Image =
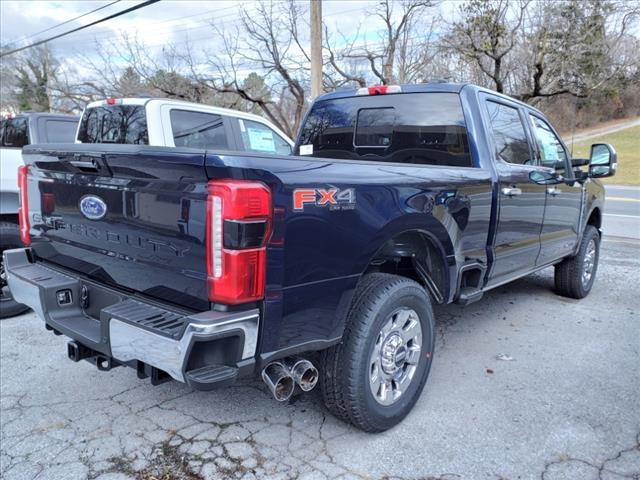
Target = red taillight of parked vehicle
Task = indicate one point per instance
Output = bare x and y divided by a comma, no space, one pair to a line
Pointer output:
238,228
23,210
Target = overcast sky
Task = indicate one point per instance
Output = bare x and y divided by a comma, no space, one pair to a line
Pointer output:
158,24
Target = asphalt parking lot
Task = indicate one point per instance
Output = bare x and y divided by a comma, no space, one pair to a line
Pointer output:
525,384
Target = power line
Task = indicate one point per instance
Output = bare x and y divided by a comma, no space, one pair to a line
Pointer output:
196,25
65,22
131,9
166,30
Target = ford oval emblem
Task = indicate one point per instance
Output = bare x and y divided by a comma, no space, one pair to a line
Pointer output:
93,207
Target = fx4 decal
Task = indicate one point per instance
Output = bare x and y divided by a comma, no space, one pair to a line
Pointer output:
334,198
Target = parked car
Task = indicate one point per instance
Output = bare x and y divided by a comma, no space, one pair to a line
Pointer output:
164,122
15,133
321,267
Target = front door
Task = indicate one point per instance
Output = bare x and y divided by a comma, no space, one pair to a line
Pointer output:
562,211
521,202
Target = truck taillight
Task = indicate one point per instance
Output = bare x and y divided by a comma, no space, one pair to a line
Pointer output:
238,228
23,210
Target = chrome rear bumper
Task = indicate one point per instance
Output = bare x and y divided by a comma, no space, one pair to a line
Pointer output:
132,330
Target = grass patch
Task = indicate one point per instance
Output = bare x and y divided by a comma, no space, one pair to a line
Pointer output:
627,144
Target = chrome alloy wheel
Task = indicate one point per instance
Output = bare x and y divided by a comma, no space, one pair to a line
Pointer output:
589,263
395,356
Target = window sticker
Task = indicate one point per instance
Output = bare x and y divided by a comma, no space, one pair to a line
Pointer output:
261,140
242,129
306,149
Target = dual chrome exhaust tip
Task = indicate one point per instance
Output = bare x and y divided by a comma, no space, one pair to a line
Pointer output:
282,377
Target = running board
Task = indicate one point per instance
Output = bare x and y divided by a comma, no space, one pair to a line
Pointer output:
469,295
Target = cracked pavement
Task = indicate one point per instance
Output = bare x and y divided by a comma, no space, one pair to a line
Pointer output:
524,384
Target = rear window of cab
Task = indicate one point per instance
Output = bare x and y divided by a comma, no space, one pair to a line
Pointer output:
124,124
415,128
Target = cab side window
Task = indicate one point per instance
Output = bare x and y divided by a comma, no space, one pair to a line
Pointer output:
509,134
552,153
257,137
197,129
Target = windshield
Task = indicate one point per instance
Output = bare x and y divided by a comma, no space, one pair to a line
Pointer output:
420,128
114,124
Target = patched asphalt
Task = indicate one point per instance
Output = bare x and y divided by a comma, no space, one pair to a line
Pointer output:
525,384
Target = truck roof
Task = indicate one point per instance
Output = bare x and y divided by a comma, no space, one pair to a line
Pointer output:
59,116
429,87
448,87
218,110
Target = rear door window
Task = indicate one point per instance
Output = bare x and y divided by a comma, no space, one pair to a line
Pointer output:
125,124
198,130
416,128
60,131
509,134
16,133
258,137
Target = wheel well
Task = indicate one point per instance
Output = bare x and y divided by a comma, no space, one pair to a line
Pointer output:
595,218
414,255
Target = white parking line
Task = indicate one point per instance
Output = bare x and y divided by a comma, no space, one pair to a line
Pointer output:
622,199
620,215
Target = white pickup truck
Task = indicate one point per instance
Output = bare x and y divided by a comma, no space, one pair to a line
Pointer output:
163,122
15,133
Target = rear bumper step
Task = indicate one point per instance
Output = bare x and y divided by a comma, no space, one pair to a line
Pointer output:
205,350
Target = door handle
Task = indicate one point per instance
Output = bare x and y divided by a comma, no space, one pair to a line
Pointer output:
554,191
511,191
85,164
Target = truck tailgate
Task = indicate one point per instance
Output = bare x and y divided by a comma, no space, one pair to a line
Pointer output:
128,216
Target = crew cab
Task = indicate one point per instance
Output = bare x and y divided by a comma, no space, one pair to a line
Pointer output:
16,132
205,265
165,122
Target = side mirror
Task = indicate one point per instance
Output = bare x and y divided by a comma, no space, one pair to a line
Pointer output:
542,177
603,161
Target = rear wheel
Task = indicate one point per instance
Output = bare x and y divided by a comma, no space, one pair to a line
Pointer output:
9,238
375,376
574,276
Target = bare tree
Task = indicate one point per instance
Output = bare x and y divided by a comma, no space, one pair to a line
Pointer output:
487,33
400,53
269,44
536,50
27,78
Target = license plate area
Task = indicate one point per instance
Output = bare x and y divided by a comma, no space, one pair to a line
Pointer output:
92,299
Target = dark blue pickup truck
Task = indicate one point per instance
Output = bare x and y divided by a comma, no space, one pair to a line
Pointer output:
204,266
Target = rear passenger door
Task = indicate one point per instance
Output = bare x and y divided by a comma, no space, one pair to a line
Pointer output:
521,202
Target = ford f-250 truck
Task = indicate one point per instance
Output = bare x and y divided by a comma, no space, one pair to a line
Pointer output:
206,266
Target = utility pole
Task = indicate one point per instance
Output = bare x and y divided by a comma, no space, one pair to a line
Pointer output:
316,48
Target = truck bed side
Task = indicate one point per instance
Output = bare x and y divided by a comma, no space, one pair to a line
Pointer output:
317,254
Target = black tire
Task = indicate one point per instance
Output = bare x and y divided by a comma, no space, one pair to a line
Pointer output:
9,238
569,273
345,368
